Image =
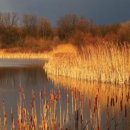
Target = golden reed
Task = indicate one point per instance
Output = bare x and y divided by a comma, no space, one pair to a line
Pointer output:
103,62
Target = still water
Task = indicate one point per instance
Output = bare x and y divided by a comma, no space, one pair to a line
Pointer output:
94,105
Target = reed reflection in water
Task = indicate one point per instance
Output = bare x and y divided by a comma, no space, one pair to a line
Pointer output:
11,79
73,104
101,106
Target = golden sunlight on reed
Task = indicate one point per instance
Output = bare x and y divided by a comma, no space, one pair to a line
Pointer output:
112,100
105,106
23,55
107,94
104,62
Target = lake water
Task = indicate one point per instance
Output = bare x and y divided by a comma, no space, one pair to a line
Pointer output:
106,107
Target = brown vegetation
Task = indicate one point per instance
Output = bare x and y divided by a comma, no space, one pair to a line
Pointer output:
101,52
101,62
106,106
15,29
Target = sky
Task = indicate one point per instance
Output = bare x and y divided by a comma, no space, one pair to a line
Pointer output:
99,11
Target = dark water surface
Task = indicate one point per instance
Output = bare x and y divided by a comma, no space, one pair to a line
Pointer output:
12,79
113,101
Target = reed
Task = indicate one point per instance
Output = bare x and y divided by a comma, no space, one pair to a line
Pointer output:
101,98
102,62
23,55
61,112
104,94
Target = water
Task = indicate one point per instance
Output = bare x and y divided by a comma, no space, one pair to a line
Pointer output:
112,102
21,62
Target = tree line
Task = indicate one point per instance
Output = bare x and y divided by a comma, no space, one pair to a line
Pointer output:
70,27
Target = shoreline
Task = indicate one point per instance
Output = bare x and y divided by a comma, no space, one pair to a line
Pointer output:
12,63
23,55
105,62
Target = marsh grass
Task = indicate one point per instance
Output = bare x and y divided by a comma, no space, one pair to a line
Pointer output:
102,62
23,55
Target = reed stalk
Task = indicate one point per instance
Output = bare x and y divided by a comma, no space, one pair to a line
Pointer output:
102,62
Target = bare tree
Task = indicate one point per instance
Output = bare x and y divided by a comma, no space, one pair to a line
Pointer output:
45,29
1,19
30,24
69,24
9,19
14,19
66,25
124,32
83,25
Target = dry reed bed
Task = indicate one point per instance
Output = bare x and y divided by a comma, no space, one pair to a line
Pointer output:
103,62
23,55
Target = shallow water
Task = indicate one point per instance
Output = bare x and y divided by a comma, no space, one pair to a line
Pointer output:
113,102
6,62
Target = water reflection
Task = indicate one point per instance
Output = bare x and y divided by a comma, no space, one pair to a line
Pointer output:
83,105
105,106
11,79
14,77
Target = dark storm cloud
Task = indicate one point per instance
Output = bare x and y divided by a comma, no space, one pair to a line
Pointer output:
101,11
